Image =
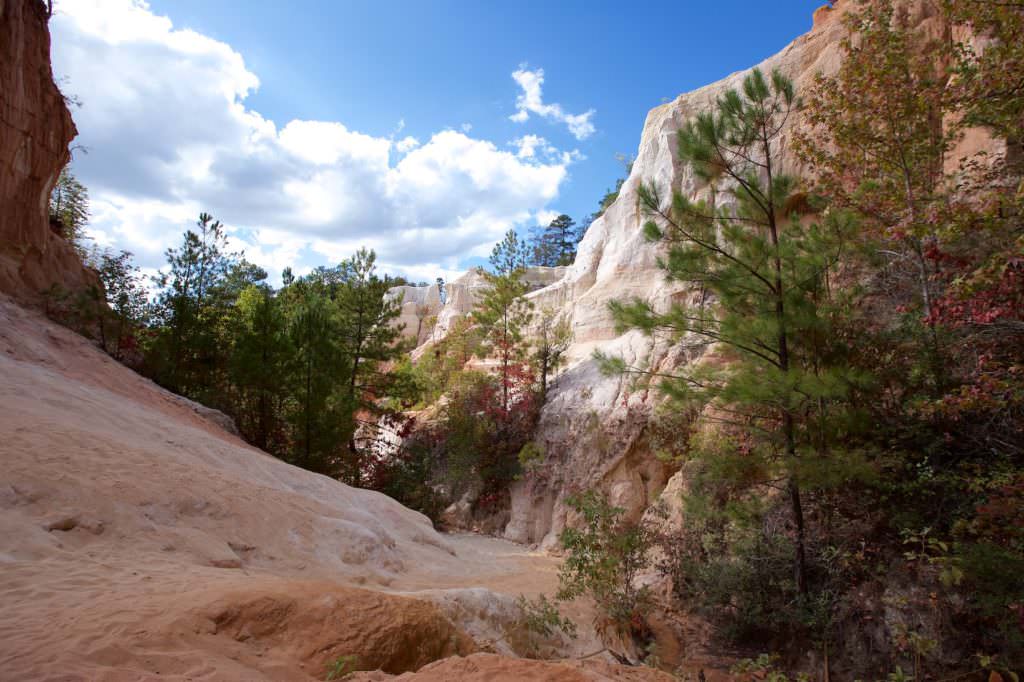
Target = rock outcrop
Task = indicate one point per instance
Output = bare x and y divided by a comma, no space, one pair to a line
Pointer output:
595,429
491,668
427,318
35,130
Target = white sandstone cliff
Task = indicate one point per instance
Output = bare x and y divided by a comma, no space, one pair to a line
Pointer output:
594,429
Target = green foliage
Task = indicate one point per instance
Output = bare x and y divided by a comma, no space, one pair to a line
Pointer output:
766,301
482,435
126,300
439,368
605,554
262,350
541,617
502,314
69,208
319,423
531,455
368,339
304,370
988,83
935,319
342,667
509,255
190,311
555,244
408,475
551,340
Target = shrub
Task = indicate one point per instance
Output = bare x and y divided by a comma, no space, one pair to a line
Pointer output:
604,559
406,474
541,617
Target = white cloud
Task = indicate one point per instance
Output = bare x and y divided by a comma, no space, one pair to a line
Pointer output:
528,144
407,144
534,147
531,100
545,217
327,143
169,134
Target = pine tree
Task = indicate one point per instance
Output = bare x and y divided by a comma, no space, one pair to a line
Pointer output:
551,339
368,340
562,231
510,254
258,363
190,312
542,251
314,372
766,276
503,313
555,244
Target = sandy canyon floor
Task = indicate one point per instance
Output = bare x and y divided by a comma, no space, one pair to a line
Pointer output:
141,540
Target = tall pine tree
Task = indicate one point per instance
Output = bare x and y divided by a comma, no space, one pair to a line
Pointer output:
368,341
768,305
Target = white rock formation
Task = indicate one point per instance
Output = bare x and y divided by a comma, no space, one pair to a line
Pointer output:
427,318
594,428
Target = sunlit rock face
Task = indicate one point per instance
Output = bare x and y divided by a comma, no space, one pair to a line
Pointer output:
595,429
35,130
429,311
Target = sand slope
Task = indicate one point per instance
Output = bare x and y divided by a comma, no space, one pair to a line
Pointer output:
139,540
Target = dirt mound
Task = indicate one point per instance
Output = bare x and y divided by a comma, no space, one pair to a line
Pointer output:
316,623
491,668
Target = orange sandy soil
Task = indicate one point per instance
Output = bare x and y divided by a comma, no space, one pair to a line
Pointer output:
141,541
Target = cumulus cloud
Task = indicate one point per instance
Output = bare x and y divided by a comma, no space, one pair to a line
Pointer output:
531,101
536,148
528,145
407,144
169,134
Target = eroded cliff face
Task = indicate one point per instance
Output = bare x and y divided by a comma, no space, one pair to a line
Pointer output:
35,130
596,430
427,318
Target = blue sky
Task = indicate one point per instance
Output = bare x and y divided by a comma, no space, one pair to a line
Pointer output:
401,91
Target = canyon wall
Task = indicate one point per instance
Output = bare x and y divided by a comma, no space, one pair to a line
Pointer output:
426,318
596,430
35,131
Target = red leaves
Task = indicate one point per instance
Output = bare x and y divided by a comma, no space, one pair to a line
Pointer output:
985,295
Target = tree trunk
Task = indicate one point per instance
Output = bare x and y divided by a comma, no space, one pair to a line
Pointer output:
800,563
789,427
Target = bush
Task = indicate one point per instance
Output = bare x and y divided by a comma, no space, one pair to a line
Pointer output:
604,559
406,474
480,440
541,617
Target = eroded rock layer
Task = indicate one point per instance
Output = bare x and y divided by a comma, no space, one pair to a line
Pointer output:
35,130
597,431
